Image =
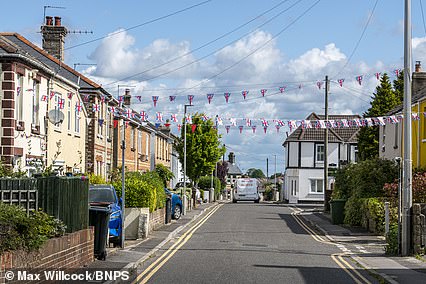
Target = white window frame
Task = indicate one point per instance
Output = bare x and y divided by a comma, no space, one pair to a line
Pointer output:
19,99
147,144
319,153
316,186
139,142
77,119
35,104
132,138
69,116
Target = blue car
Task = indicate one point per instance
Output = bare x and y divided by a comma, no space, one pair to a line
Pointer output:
105,195
176,204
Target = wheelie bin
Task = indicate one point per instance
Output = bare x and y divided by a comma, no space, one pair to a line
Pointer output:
99,218
337,207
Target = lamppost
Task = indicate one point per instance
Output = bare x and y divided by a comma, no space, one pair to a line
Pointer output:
275,176
184,159
123,191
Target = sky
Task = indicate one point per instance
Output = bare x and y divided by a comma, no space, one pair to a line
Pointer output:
199,47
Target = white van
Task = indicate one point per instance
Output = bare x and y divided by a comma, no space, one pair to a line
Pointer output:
246,189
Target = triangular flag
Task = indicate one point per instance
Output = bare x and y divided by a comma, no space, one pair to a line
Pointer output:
193,127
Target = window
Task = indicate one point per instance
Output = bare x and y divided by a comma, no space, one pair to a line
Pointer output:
107,125
35,103
77,122
317,186
69,115
320,153
19,97
139,142
132,138
147,144
101,116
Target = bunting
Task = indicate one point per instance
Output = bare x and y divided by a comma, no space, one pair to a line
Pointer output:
227,95
245,93
190,99
263,92
172,98
155,100
210,97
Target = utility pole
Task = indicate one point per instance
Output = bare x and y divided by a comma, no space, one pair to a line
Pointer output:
407,163
326,193
184,161
275,175
267,168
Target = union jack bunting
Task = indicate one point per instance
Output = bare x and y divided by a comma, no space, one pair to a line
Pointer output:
392,119
204,118
319,85
95,108
278,128
396,71
120,99
381,120
188,119
111,109
52,94
102,98
173,117
265,123
101,122
359,79
172,98
190,99
78,107
69,95
159,116
378,75
265,128
244,93
292,124
282,89
248,122
219,120
155,100
227,127
126,123
340,81
44,98
129,113
241,128
179,127
61,103
345,123
86,97
210,97
18,91
415,116
233,121
227,95
279,122
143,115
263,92
253,128
369,122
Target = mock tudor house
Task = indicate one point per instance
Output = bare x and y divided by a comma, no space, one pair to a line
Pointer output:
304,155
234,171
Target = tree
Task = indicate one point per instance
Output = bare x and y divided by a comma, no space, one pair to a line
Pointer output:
203,147
384,99
222,172
164,173
255,173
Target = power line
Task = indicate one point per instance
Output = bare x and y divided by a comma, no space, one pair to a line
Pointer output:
423,15
142,24
259,48
359,40
211,53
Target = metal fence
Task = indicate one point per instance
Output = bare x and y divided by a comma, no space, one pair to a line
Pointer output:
65,198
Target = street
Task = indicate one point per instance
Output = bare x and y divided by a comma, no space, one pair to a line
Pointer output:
251,243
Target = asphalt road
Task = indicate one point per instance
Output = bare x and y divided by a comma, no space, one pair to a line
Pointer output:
251,243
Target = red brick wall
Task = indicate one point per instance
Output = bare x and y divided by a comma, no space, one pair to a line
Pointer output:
70,251
157,219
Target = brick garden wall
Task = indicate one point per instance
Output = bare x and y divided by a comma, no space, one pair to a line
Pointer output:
157,219
73,250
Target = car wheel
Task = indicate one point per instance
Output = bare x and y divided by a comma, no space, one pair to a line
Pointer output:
177,213
234,201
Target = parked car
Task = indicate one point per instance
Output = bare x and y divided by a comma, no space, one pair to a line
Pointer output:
176,204
180,185
105,195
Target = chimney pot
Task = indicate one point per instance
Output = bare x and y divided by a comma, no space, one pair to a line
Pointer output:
127,97
418,67
58,21
49,20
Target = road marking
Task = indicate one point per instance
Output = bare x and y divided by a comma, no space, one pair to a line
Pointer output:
337,258
173,249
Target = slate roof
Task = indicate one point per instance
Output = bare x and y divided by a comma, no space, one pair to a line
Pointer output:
14,43
233,169
344,134
414,99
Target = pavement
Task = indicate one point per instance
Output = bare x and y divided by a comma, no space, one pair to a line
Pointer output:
138,251
367,249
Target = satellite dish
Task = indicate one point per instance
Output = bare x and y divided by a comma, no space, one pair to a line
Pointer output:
56,116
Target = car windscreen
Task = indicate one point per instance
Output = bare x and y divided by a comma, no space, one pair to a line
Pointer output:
101,195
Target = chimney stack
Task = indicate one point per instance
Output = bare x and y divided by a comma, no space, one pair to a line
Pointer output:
231,158
418,67
126,99
419,79
54,37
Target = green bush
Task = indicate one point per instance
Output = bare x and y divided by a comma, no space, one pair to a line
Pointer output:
391,247
164,173
19,231
205,183
142,190
96,179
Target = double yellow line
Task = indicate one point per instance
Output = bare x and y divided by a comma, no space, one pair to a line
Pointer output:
156,265
336,257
